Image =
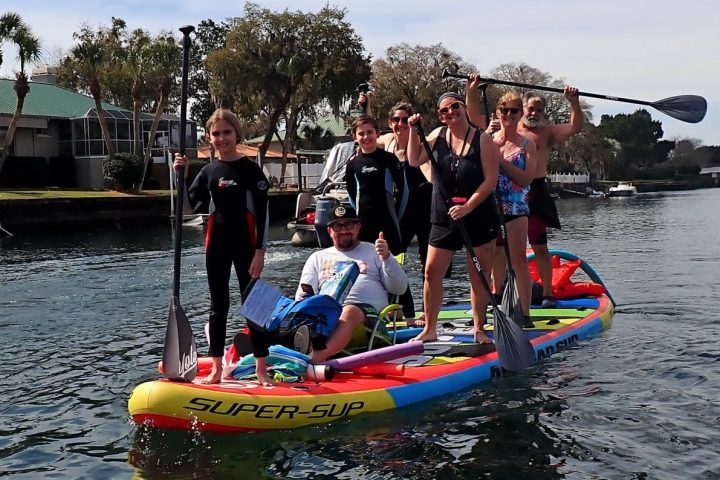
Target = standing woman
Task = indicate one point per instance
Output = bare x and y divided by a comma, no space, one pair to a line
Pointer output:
517,170
468,163
235,191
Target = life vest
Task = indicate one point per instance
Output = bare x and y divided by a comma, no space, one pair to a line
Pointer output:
562,286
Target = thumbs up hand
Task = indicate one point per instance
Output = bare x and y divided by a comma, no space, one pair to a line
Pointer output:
381,247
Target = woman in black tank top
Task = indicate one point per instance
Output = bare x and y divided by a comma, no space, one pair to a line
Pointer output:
468,163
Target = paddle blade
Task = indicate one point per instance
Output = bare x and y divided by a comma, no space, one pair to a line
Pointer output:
179,354
510,304
514,349
687,108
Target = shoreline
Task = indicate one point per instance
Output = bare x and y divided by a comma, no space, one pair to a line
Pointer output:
23,210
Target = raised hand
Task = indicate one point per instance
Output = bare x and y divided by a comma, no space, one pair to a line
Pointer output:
381,247
571,93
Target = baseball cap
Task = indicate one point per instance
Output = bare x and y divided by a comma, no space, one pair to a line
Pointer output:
341,212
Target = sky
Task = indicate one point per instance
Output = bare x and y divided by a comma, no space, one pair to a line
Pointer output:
639,49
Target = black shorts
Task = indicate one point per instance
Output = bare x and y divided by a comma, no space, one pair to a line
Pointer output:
449,238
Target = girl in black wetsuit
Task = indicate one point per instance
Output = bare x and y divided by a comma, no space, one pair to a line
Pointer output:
468,163
235,191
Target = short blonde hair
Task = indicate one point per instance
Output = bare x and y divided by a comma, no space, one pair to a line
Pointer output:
510,96
227,116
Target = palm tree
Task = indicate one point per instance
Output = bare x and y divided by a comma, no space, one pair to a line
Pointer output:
90,57
12,28
137,63
166,60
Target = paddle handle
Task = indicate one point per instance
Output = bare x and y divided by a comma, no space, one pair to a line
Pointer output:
180,174
446,74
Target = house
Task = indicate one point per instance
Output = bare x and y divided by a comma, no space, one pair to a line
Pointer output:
60,124
331,124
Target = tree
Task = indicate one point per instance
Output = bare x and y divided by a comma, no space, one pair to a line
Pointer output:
273,60
638,135
12,28
165,56
86,67
209,36
137,63
414,74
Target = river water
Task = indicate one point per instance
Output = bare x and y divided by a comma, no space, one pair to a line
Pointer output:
82,316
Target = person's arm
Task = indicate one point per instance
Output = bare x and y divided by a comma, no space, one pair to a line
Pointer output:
259,194
309,276
472,101
351,184
416,154
198,194
392,274
560,133
523,176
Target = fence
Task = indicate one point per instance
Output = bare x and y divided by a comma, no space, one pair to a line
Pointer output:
569,178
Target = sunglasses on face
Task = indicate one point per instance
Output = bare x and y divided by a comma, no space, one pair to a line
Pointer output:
454,106
512,110
339,227
399,119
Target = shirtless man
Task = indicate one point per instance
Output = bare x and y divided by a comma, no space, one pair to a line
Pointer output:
543,213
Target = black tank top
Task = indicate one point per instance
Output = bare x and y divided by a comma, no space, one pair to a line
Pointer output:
461,175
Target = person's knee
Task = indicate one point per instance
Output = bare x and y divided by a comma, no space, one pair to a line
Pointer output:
352,315
541,250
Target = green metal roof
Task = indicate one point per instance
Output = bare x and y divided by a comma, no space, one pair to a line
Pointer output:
48,101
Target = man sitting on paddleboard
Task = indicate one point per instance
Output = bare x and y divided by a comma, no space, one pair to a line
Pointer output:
380,275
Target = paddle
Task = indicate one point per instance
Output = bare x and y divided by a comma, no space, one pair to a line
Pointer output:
4,233
514,349
510,303
687,108
180,353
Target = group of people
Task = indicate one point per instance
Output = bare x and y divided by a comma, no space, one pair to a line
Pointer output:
391,190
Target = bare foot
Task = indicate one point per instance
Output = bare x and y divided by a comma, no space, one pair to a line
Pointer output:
416,322
214,377
481,338
426,336
264,379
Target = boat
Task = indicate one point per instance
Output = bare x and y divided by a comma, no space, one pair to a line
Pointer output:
311,207
451,364
622,189
310,215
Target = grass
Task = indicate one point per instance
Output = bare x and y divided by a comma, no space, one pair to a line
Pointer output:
52,193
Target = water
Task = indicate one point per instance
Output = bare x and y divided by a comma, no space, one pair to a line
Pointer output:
82,316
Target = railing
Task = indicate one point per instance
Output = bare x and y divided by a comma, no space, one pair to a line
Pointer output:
569,178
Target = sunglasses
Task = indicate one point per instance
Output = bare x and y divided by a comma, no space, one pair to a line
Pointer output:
454,106
399,119
512,110
339,227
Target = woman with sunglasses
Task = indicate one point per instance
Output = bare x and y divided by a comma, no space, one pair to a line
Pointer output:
468,162
517,170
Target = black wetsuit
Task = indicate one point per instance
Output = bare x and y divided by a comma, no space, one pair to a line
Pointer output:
461,176
236,194
377,190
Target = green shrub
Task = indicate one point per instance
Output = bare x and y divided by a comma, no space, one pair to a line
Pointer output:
122,171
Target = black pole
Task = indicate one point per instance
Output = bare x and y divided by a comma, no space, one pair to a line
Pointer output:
180,175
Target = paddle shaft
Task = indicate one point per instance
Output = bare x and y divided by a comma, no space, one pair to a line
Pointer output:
460,224
180,174
551,89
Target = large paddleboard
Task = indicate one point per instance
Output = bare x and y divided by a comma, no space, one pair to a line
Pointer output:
451,364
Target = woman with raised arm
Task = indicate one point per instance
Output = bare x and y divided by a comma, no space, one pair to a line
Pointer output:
468,162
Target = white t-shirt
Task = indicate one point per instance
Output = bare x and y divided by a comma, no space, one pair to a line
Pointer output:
377,277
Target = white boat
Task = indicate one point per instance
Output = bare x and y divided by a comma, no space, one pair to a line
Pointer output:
310,210
622,189
311,207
